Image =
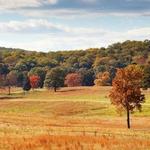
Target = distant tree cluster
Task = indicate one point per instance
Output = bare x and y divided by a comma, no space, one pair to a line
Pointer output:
72,68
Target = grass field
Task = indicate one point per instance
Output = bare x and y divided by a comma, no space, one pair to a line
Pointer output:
70,119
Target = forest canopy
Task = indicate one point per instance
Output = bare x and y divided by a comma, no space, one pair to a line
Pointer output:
88,63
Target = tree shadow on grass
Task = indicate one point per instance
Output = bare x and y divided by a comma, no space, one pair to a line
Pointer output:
10,97
69,90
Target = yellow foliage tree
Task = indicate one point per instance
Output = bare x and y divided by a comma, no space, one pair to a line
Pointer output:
102,79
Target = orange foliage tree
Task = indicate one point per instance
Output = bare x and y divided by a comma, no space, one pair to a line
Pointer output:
73,79
126,93
34,81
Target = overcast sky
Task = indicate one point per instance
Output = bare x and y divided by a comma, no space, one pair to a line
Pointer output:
46,25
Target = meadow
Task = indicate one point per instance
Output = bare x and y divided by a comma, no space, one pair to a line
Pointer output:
70,119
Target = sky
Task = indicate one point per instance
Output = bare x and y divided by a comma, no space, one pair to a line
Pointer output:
46,25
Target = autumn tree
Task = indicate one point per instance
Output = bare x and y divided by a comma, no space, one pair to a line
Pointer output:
102,79
55,78
126,93
40,72
73,79
34,81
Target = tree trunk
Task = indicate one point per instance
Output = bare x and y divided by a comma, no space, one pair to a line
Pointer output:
8,90
55,89
128,117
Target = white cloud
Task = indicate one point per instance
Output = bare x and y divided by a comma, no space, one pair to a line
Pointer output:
60,12
44,26
69,42
139,32
14,34
21,7
52,1
74,13
41,24
29,25
12,4
46,43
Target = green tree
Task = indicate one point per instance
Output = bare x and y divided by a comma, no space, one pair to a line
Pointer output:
87,76
26,84
4,70
20,77
146,77
55,78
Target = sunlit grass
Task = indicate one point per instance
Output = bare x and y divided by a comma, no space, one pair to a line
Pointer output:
70,112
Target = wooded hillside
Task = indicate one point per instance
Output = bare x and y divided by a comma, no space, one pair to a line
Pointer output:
88,63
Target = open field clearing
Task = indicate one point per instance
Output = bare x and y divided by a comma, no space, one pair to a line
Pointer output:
72,118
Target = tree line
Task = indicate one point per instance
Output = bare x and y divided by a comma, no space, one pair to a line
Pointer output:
31,69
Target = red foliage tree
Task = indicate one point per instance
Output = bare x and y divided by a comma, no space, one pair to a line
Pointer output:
34,81
73,79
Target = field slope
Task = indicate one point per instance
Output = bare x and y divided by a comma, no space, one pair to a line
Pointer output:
72,118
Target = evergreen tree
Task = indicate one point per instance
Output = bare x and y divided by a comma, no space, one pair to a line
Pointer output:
26,84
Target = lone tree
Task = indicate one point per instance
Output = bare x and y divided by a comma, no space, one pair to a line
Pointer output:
55,78
126,93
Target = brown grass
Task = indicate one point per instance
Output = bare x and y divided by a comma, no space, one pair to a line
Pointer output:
49,142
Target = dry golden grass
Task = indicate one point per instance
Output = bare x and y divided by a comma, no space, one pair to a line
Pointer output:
49,142
70,119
